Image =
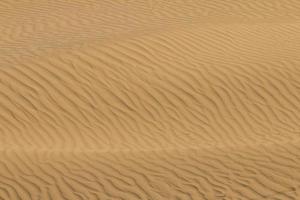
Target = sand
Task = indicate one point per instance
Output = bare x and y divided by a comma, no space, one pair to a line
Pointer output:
150,100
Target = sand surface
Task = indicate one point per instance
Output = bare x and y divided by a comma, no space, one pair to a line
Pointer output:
149,100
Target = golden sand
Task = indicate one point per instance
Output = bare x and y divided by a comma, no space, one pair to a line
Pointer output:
150,100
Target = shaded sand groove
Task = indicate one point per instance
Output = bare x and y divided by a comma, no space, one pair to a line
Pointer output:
154,100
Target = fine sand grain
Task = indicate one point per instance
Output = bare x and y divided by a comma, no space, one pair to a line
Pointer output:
150,100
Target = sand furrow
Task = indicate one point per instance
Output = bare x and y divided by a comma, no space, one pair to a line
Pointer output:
165,89
43,25
162,100
157,174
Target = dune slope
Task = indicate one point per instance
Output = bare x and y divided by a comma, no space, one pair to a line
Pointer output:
149,100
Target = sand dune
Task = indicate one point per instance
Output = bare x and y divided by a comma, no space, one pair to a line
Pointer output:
150,100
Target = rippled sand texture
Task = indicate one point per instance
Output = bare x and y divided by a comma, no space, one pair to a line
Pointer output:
150,100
